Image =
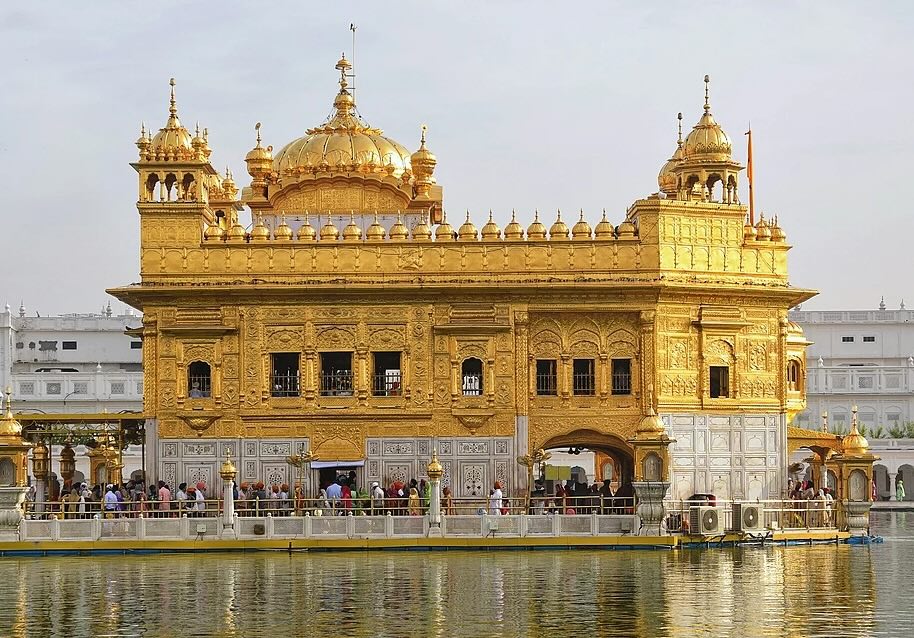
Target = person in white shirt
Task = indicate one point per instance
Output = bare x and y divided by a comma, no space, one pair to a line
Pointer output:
377,498
110,502
201,498
495,500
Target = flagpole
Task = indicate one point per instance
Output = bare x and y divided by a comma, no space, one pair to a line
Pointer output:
751,178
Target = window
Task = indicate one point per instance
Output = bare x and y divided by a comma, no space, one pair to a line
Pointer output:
793,376
336,374
52,388
117,387
583,382
546,381
284,371
847,340
136,345
720,382
199,380
622,376
27,388
471,373
47,346
869,339
387,375
68,345
893,417
81,387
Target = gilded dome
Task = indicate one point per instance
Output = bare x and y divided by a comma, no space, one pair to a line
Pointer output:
491,231
626,230
514,231
352,232
306,231
581,230
777,233
213,232
604,229
421,231
467,231
344,143
375,232
707,141
855,444
399,232
282,232
444,232
260,232
329,231
762,231
558,230
236,232
173,138
536,230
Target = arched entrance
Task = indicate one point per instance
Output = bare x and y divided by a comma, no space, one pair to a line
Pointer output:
608,448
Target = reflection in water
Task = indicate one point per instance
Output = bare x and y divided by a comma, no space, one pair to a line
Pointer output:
798,591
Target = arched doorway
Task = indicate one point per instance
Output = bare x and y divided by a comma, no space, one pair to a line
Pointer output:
881,478
906,475
608,449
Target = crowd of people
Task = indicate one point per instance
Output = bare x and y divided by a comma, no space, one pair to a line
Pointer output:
132,498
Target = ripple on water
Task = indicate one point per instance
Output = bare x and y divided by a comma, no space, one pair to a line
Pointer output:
821,591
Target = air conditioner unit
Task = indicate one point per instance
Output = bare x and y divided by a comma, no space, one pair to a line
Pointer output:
705,521
748,517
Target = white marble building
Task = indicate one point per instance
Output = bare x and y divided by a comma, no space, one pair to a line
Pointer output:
73,363
864,358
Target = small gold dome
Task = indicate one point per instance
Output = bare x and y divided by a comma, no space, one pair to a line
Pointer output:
213,232
777,233
467,231
444,232
237,232
434,469
173,140
283,232
259,159
352,232
375,232
306,231
762,231
604,229
491,231
228,184
855,444
748,230
581,230
260,232
423,159
626,230
536,230
514,231
9,425
650,424
399,231
558,230
667,179
421,231
329,231
707,141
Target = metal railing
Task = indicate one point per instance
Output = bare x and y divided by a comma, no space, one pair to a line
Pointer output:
284,384
386,385
337,383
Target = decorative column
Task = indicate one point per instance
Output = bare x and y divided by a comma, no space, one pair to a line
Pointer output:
13,472
652,468
40,472
855,463
227,472
891,488
435,471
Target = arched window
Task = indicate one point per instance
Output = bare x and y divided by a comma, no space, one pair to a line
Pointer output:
471,372
199,380
794,383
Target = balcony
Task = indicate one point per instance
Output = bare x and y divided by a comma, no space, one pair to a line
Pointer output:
860,380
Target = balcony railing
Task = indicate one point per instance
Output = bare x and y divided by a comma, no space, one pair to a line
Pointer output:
860,380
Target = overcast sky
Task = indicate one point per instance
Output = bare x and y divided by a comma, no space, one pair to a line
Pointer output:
529,105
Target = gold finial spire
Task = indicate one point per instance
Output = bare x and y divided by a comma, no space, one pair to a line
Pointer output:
424,128
9,402
707,94
513,215
257,128
679,139
173,108
582,215
490,215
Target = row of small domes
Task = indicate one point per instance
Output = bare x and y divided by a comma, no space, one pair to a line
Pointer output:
764,230
581,231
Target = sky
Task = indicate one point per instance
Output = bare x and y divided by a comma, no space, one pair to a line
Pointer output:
530,105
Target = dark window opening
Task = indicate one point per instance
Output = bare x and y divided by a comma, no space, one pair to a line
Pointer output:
720,382
136,345
387,374
869,339
471,372
336,374
546,378
68,345
284,374
584,382
847,340
199,380
622,376
793,376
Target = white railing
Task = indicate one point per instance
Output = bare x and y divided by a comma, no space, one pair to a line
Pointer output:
860,380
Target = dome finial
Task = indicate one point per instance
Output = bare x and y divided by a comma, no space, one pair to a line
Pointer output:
424,128
257,128
679,139
707,94
173,107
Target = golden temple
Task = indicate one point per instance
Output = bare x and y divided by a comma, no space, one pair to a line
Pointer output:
351,319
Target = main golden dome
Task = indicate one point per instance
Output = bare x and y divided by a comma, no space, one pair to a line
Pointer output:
344,143
707,141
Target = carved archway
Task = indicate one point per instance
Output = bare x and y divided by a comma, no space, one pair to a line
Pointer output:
605,443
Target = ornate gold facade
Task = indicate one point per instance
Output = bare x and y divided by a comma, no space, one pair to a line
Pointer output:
683,287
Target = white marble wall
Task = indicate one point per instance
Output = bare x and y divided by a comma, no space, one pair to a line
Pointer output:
734,456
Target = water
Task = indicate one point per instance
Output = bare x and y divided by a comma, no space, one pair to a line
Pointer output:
823,591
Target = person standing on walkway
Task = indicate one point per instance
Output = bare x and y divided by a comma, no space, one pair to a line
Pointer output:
495,500
164,499
899,490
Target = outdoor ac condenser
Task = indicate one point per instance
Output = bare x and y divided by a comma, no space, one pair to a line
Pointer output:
705,521
747,517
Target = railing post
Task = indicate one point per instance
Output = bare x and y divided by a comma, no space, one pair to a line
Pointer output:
594,528
307,524
55,529
556,524
141,528
484,524
185,527
96,528
350,525
389,525
268,526
522,526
